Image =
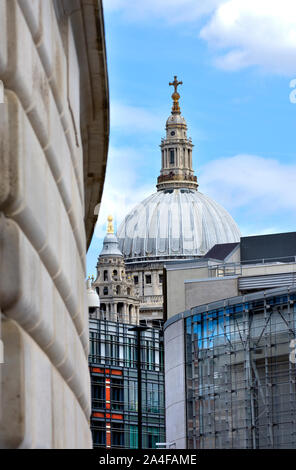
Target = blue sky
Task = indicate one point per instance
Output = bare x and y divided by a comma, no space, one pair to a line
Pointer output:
236,60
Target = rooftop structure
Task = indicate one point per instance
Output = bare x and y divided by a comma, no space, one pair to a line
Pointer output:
230,344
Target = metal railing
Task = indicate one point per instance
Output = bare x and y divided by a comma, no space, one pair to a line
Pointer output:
234,269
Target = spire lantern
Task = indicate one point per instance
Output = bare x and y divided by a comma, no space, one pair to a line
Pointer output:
176,150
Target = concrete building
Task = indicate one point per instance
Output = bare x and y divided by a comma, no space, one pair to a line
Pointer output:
54,127
177,222
230,346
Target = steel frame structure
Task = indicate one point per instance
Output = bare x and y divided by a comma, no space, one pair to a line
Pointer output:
240,372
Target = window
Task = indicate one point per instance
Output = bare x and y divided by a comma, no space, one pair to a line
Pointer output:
98,290
152,437
117,435
172,156
128,291
148,278
160,278
117,290
133,396
98,392
148,354
130,353
105,290
99,436
105,275
111,350
117,395
133,436
94,346
152,398
114,274
136,279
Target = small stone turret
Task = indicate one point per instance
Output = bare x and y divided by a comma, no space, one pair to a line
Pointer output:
115,288
176,150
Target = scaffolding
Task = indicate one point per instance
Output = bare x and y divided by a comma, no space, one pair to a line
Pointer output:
240,373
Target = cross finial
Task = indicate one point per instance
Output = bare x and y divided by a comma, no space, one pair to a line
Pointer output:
175,83
175,95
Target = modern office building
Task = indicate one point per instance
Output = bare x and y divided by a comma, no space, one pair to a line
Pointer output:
114,383
231,347
177,222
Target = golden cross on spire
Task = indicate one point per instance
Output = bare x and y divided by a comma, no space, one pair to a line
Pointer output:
175,95
175,83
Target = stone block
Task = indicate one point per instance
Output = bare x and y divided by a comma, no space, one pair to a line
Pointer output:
34,302
3,36
74,86
31,12
83,433
69,419
58,421
38,100
26,394
12,405
35,211
41,20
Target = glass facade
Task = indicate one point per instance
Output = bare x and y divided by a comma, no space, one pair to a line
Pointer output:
240,373
113,367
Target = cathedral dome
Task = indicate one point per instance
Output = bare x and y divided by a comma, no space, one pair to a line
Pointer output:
110,243
178,221
93,300
175,223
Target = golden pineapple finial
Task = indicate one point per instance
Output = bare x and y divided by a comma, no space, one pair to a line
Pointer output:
110,228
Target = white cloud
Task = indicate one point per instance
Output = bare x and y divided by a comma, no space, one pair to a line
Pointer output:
258,191
256,33
132,119
250,32
122,190
260,185
171,11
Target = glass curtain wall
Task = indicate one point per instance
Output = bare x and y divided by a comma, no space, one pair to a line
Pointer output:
113,367
240,374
